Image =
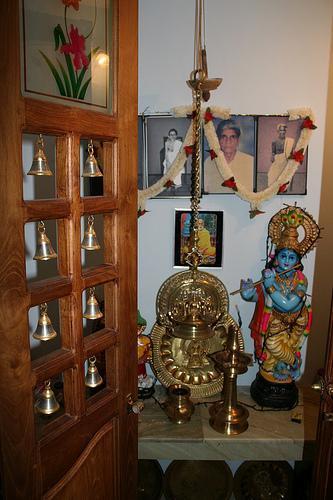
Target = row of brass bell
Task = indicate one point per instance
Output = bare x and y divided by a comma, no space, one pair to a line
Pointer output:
45,331
47,403
44,250
40,165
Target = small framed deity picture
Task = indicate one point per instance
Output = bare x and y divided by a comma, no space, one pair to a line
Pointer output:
277,138
237,140
210,232
164,137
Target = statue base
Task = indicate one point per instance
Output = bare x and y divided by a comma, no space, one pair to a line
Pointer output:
145,392
273,395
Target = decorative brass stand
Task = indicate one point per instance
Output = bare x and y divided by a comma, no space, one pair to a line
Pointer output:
228,416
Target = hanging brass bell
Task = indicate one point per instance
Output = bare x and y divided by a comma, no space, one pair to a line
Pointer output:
44,330
91,168
92,309
44,250
93,378
47,403
39,164
90,241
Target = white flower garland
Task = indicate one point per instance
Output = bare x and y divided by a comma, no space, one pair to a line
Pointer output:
255,199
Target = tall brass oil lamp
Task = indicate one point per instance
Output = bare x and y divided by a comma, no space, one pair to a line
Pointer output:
228,416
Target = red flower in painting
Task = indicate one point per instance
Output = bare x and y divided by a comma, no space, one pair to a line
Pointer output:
72,3
77,48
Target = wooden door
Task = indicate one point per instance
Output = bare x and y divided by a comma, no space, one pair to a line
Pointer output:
88,449
322,484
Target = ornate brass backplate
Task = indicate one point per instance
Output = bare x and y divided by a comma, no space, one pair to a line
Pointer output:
187,362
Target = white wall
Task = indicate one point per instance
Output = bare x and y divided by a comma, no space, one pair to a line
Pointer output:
273,56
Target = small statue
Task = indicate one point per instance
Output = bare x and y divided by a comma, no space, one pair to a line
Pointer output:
145,381
283,316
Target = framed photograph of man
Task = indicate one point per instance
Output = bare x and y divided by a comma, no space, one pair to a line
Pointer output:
277,138
165,135
237,139
210,232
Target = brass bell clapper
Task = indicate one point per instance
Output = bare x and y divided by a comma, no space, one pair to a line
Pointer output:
44,249
46,403
44,330
90,241
40,164
93,378
91,168
228,416
92,308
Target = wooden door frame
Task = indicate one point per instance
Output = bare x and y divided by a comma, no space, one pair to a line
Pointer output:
20,452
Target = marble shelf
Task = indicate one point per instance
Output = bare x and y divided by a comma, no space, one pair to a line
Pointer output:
271,435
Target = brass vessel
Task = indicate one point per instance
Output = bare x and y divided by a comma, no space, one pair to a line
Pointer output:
178,406
228,416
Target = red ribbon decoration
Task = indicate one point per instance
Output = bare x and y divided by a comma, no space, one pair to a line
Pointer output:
308,123
141,213
208,115
169,184
188,150
297,155
230,183
283,188
212,154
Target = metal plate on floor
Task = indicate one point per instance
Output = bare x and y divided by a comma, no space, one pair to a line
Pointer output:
262,480
150,480
198,480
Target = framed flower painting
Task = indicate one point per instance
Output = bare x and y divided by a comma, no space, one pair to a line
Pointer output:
65,52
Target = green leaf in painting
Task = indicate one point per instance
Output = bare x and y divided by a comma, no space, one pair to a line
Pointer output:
84,69
55,74
84,89
66,80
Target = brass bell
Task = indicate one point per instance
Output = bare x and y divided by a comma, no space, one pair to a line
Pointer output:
44,330
44,250
39,164
92,378
91,168
47,403
90,241
92,309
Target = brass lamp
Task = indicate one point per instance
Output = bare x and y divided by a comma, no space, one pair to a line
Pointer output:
191,303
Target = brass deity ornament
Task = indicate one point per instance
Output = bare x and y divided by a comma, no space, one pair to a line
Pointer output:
91,168
40,164
44,249
44,330
192,306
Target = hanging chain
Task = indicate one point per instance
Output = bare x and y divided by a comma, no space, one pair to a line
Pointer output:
196,159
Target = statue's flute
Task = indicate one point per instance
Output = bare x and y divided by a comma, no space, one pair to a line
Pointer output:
262,280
